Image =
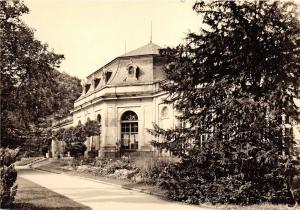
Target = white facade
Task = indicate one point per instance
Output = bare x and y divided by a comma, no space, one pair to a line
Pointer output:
127,85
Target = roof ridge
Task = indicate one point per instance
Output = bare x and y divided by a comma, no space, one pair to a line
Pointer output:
147,49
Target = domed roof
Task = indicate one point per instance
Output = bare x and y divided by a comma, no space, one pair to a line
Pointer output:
148,49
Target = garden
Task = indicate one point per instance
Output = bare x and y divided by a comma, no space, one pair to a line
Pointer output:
147,175
140,173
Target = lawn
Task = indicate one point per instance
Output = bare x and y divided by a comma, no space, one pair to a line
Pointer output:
34,196
26,161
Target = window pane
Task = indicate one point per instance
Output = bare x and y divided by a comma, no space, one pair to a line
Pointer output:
129,116
129,135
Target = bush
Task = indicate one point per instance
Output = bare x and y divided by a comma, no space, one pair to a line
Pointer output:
76,149
193,182
8,176
296,188
124,163
150,171
92,153
101,162
124,168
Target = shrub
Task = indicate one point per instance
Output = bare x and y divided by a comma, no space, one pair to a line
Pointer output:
92,128
8,176
123,163
125,173
92,153
76,149
79,134
150,171
101,162
193,182
296,187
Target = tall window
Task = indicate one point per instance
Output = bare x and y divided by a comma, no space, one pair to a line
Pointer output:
98,138
99,119
129,131
164,113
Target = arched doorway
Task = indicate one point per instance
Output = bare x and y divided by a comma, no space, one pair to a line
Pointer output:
129,131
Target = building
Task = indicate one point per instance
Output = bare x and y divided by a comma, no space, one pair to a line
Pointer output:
125,98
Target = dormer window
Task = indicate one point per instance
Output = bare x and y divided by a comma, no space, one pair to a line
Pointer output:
87,87
96,82
133,71
107,76
137,72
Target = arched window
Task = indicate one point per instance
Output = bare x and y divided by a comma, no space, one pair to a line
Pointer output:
98,138
164,112
129,131
99,119
133,71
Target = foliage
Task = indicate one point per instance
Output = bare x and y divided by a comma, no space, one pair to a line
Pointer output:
67,90
92,128
68,135
150,172
231,82
74,137
31,87
123,163
8,176
79,133
27,69
59,134
124,168
76,149
296,186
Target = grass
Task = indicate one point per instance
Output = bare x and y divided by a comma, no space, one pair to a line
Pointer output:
26,161
35,197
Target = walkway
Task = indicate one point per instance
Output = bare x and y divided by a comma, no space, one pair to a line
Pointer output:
99,195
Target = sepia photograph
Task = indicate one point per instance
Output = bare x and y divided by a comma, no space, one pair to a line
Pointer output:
150,104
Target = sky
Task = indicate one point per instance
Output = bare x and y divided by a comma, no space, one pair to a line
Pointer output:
91,33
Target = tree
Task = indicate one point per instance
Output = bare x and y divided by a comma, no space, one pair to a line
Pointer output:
27,75
92,128
79,134
67,90
60,134
231,82
74,137
32,89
